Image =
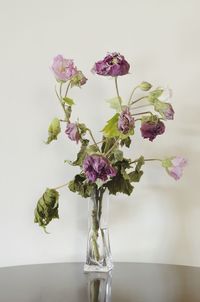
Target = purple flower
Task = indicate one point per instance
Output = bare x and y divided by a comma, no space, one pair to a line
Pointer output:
168,112
112,65
73,132
63,68
165,109
97,166
126,122
150,129
78,79
174,166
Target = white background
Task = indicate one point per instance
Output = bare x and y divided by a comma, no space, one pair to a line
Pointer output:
160,222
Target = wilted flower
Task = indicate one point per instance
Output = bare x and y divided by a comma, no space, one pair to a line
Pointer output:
150,129
63,68
78,79
165,109
112,65
174,166
126,122
97,167
73,132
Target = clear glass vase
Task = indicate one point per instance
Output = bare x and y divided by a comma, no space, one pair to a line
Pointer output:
98,257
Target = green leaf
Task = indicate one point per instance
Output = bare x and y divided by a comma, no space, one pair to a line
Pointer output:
126,141
107,144
47,208
135,176
120,183
153,95
82,128
92,149
68,101
115,103
160,107
118,155
54,130
150,118
140,163
111,129
81,186
81,154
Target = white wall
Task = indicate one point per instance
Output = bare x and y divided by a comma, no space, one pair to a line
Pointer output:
160,222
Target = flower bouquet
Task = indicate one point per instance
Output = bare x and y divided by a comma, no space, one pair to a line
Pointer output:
104,169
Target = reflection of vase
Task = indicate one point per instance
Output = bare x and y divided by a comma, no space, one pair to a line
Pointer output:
99,287
98,246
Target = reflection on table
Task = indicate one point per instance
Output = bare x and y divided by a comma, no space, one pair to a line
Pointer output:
131,282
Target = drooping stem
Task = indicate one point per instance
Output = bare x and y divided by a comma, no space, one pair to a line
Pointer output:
62,186
117,90
146,159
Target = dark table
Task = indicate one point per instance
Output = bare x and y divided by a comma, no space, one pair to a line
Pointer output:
128,282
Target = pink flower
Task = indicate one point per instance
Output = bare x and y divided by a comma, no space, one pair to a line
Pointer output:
63,68
73,132
174,166
112,65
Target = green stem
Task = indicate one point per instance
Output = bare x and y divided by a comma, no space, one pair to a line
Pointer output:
144,112
143,97
66,92
113,147
96,219
146,159
62,104
62,186
117,89
93,139
132,95
141,106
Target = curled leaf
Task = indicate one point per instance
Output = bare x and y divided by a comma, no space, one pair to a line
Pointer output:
47,208
54,130
81,186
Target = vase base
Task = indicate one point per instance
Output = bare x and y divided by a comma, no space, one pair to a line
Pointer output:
97,268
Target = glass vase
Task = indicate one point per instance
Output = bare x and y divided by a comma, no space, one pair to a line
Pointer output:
98,258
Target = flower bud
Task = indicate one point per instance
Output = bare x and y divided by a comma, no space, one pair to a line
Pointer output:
78,79
145,86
